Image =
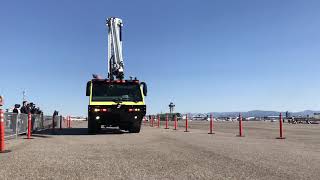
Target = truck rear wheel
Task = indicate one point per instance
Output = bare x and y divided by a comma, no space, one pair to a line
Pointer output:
135,127
98,126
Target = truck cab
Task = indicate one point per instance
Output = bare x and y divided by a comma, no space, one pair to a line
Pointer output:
116,103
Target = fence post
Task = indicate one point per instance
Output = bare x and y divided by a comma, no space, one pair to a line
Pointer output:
2,145
175,122
17,117
42,120
69,121
152,121
240,126
211,125
186,123
53,123
60,122
167,119
280,127
29,126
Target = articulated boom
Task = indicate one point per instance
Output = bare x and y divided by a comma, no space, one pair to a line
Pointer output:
115,60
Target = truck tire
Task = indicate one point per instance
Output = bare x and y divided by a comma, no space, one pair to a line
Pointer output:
98,126
92,125
135,127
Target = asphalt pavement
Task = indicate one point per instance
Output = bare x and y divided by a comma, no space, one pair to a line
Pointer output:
158,153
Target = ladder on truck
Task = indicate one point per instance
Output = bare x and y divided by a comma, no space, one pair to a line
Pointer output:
115,59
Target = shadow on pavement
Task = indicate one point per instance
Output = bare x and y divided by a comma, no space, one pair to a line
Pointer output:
78,131
40,135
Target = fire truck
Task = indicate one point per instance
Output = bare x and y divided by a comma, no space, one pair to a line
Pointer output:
115,101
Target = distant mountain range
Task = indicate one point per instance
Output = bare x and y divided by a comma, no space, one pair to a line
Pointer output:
258,113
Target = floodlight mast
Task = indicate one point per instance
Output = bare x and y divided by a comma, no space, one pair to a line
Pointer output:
115,60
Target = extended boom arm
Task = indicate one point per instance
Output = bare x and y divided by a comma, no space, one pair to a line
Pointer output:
115,60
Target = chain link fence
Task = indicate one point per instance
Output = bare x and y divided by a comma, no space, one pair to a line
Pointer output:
17,124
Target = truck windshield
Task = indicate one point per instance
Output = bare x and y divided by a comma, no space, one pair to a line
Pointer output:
116,92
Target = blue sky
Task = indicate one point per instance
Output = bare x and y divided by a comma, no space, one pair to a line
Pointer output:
203,55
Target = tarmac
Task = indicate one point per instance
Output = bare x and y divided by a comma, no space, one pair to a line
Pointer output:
158,153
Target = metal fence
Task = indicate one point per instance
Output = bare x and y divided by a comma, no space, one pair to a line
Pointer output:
17,124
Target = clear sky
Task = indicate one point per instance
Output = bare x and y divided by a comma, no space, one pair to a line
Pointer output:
215,55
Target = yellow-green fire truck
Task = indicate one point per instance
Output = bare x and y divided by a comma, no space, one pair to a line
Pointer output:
115,102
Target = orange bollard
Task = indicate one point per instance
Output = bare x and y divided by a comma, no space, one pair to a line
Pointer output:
29,126
240,126
280,127
2,144
211,125
158,121
175,122
186,123
152,121
167,122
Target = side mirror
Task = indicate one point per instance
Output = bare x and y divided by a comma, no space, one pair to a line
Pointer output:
144,88
88,88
